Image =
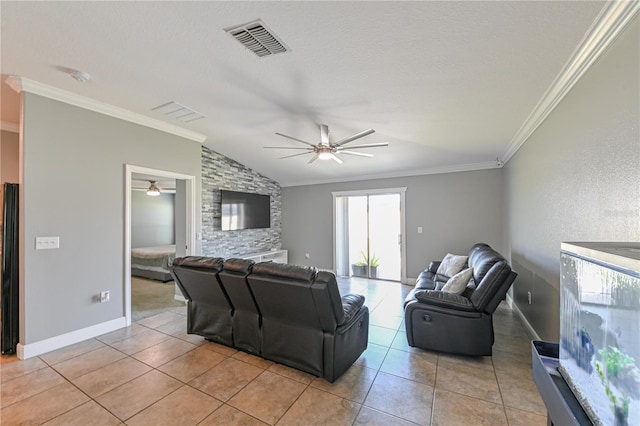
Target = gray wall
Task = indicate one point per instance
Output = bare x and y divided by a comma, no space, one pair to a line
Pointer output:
456,210
180,218
220,172
74,170
576,179
152,219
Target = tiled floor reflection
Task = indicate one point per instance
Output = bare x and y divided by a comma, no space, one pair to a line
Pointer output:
153,373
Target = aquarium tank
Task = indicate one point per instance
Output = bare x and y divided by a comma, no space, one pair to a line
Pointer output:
600,329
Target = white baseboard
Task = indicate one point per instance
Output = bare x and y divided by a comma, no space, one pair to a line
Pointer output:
179,298
523,319
47,345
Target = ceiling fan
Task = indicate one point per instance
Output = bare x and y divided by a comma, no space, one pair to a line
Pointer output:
325,150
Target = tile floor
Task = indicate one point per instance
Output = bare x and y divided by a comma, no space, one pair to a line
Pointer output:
153,373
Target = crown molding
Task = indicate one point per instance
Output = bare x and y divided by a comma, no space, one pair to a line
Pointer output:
611,21
9,127
21,84
407,173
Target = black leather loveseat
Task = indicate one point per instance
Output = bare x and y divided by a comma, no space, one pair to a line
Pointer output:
458,323
289,314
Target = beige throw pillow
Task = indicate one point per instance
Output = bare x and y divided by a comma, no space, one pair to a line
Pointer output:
451,265
458,283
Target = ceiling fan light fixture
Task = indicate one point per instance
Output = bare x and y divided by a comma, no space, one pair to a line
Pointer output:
325,150
153,190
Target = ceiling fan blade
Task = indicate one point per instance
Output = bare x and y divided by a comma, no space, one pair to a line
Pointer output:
354,137
359,154
336,159
369,145
315,157
294,155
286,147
295,139
324,134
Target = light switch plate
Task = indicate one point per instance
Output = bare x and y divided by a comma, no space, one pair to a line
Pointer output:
45,243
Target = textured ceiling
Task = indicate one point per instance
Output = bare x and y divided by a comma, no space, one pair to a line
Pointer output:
447,84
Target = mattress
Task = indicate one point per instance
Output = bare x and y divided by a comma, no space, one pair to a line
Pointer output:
153,262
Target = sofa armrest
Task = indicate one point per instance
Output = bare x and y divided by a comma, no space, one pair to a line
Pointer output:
345,345
433,266
445,300
351,304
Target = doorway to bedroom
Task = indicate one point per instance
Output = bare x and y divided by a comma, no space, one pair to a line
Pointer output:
160,207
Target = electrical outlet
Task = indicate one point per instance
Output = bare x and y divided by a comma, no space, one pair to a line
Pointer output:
104,296
307,255
529,297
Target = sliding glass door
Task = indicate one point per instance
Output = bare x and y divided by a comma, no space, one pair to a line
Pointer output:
369,234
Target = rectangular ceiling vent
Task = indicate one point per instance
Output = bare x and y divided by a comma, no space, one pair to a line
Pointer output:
256,37
178,112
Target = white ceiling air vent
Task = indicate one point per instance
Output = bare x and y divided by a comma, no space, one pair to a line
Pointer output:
256,37
179,112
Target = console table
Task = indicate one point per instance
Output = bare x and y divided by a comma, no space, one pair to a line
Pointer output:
278,256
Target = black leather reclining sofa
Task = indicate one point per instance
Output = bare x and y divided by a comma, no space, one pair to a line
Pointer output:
289,314
458,324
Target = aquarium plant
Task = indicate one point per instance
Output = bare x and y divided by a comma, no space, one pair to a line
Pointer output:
612,371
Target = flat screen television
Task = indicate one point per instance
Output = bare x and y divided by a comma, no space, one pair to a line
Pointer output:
243,210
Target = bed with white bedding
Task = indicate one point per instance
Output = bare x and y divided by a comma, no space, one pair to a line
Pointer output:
153,262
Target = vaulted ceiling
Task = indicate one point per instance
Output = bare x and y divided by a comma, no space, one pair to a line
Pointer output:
447,84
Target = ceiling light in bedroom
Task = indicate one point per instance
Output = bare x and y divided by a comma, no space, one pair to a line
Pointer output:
153,190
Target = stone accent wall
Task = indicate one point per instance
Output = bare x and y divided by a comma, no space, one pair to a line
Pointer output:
220,172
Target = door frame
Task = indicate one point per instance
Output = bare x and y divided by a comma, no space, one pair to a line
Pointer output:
403,232
190,221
